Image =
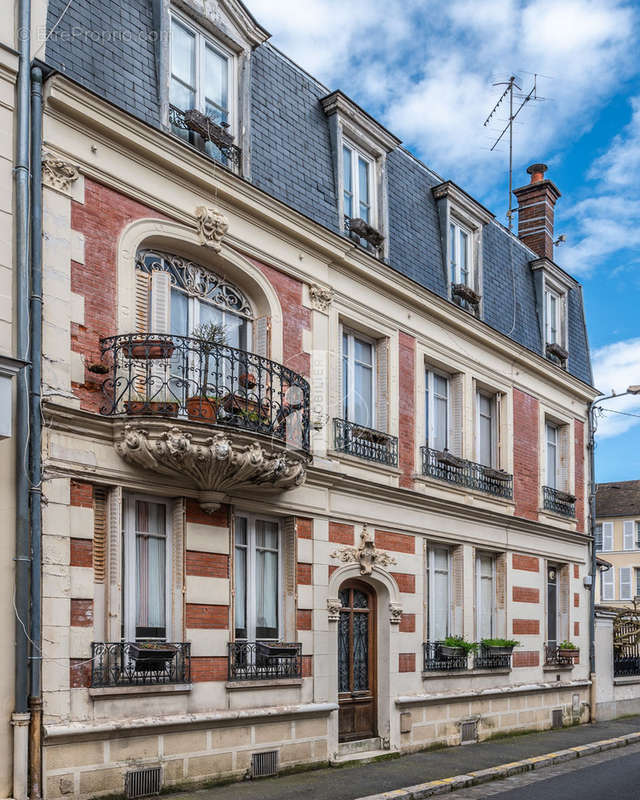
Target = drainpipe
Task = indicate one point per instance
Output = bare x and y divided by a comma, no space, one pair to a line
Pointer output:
35,461
594,565
20,716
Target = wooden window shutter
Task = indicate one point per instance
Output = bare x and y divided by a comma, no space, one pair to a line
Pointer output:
289,560
456,425
607,536
160,301
382,384
563,458
142,301
628,537
457,593
339,404
177,555
563,603
261,336
99,533
499,432
114,564
625,583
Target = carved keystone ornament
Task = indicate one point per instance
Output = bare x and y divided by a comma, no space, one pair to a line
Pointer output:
320,297
366,554
58,174
212,226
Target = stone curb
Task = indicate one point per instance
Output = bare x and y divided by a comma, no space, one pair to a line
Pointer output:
446,785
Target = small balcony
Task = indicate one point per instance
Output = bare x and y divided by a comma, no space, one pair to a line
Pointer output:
141,663
264,661
178,377
553,657
444,466
366,443
558,502
207,135
435,659
486,659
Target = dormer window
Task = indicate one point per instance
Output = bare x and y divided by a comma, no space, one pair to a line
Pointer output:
552,290
356,178
460,261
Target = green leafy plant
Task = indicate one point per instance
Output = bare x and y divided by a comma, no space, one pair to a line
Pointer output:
459,641
499,643
566,645
209,335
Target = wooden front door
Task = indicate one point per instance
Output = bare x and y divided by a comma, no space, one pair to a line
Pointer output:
356,662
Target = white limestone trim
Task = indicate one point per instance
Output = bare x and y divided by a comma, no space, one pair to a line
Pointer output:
449,697
378,575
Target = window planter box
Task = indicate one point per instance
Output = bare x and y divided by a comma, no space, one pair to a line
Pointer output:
451,652
569,653
447,458
203,407
496,474
151,657
362,229
557,351
495,650
266,653
149,349
205,126
159,408
465,293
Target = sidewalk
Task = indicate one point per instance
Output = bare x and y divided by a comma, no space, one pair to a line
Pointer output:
350,782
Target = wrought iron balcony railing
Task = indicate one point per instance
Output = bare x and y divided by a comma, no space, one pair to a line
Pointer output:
558,502
261,661
436,661
364,234
445,466
552,657
207,135
367,443
485,659
140,663
179,376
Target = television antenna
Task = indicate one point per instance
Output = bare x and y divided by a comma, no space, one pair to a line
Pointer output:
509,91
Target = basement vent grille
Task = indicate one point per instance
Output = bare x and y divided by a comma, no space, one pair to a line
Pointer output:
143,782
263,764
556,718
468,732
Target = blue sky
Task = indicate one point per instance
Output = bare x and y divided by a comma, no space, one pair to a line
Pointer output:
426,69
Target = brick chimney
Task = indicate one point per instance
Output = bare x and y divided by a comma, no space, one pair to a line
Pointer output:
536,202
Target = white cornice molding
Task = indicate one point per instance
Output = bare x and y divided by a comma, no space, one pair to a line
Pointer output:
460,199
75,107
555,272
356,119
237,15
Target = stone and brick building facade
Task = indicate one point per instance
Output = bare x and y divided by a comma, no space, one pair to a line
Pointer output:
258,545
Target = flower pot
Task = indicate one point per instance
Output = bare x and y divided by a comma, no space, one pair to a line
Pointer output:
149,348
203,407
156,407
240,406
569,653
247,380
151,658
451,652
449,460
495,650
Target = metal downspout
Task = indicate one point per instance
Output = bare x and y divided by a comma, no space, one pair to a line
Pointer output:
21,597
594,565
35,452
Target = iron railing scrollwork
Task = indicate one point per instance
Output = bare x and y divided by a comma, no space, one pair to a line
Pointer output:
258,661
372,445
206,135
552,657
558,502
179,376
436,661
485,659
456,470
626,642
140,663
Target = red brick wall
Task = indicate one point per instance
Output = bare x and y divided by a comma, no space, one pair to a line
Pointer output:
400,542
307,666
576,600
406,582
341,533
200,615
526,627
81,494
407,623
406,662
304,574
576,571
407,411
525,454
304,528
579,474
81,613
526,658
303,619
101,219
576,629
524,594
208,668
296,318
527,563
79,673
207,565
81,553
194,513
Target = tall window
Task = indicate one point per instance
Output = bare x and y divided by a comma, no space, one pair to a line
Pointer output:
460,254
145,559
486,596
257,578
358,371
437,410
439,592
554,316
552,604
607,584
552,455
626,584
357,180
487,429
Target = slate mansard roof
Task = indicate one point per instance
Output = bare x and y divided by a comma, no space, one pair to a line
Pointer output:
291,160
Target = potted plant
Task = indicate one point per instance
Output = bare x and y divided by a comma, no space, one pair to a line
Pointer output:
149,347
210,336
448,459
163,404
568,650
499,647
151,656
456,646
247,380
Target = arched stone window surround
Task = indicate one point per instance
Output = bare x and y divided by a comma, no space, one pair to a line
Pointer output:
174,237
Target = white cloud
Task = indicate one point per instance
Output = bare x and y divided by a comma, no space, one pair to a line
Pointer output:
617,366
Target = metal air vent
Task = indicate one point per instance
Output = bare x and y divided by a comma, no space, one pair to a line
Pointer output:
263,764
468,732
143,782
556,718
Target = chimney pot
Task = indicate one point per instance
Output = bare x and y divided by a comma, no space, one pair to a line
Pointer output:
537,172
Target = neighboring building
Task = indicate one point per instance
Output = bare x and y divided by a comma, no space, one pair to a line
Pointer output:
618,540
390,448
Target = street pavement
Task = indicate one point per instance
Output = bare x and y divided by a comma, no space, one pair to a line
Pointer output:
355,781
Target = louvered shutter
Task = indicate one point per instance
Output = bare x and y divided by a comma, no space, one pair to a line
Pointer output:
625,583
563,603
499,449
160,301
382,385
142,301
563,458
637,582
608,584
339,409
607,536
261,331
289,557
457,575
598,536
177,567
627,535
114,564
456,400
99,533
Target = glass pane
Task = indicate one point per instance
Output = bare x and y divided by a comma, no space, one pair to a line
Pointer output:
183,54
150,518
440,424
179,313
267,590
345,375
347,182
440,606
551,465
216,83
241,530
360,599
181,96
360,652
344,597
240,578
151,575
363,405
343,649
486,608
363,189
452,250
485,441
427,420
266,534
464,257
363,351
440,385
235,330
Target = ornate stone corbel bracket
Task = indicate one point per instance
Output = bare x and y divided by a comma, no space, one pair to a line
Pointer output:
58,174
212,226
395,609
366,554
320,297
333,607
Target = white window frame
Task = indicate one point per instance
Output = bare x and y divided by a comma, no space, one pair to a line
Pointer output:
351,335
628,534
430,589
607,537
430,416
357,153
551,289
251,575
625,575
129,559
492,396
202,39
479,608
608,584
551,481
453,240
